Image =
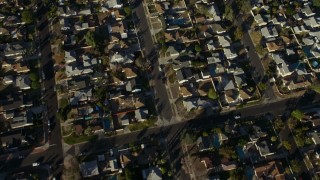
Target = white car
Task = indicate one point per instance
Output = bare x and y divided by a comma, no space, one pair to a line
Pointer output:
35,164
237,117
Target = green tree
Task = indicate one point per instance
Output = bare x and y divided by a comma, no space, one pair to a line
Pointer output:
292,123
52,11
295,166
316,3
287,145
188,139
63,103
212,94
279,124
163,170
127,10
245,6
273,138
297,114
238,33
216,130
28,16
228,13
33,76
92,39
315,88
300,141
35,85
198,48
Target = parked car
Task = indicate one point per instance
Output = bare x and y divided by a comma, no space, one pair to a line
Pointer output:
35,164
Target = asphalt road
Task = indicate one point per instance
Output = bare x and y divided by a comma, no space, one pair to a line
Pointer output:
161,97
255,60
53,156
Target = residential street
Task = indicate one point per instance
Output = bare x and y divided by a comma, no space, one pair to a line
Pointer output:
150,52
51,153
255,60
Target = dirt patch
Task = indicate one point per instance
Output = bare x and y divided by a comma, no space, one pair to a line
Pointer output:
60,76
71,168
170,73
256,37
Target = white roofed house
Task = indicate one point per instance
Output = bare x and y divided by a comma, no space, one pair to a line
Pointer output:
88,61
81,96
282,66
300,29
230,53
16,49
65,24
122,57
224,40
141,114
214,13
306,10
114,4
70,56
80,26
269,32
23,82
261,20
7,79
311,22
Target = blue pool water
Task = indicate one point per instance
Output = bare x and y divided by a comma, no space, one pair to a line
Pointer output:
240,153
107,124
216,142
307,51
212,69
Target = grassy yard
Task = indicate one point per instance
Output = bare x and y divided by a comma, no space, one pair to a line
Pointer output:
142,125
74,139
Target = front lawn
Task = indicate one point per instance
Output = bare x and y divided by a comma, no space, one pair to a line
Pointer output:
74,139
